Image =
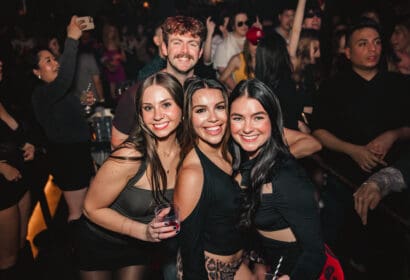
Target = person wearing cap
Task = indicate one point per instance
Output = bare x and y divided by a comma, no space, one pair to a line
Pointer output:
242,65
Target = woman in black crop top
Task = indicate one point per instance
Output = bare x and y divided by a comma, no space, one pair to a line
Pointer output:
280,200
118,232
207,196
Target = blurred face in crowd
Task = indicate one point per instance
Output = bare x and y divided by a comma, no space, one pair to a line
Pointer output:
314,51
250,124
286,19
54,46
364,49
312,20
160,113
400,39
48,66
241,25
209,115
183,52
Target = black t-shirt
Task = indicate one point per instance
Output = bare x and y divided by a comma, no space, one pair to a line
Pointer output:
357,111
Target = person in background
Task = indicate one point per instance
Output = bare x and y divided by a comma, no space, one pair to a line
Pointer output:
113,58
394,178
159,61
211,244
312,18
349,106
242,65
62,118
400,43
280,201
119,233
15,149
182,46
233,43
286,16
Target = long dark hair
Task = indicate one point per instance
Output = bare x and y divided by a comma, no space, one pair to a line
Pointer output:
270,155
190,139
145,141
272,60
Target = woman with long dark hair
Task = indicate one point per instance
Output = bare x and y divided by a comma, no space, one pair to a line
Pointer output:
206,194
118,231
280,200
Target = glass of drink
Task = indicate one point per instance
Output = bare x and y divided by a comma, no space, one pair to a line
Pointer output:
84,99
172,217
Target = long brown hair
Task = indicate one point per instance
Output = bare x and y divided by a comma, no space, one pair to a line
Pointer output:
145,141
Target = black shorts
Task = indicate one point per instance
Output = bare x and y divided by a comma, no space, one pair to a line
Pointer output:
71,165
96,248
11,192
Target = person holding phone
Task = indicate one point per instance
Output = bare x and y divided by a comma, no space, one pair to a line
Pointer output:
119,232
60,114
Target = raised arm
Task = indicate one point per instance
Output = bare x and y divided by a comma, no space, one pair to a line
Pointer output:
210,28
296,29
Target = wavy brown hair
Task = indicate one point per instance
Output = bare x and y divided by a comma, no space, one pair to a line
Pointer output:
145,141
182,25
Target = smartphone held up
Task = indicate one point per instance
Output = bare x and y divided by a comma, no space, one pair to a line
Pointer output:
87,21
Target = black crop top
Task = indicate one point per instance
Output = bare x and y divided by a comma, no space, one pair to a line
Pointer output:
292,203
213,224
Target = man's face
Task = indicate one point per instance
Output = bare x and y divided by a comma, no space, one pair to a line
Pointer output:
183,52
241,25
286,19
364,49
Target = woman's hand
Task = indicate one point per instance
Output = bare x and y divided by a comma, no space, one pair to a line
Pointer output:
28,151
74,29
158,230
10,173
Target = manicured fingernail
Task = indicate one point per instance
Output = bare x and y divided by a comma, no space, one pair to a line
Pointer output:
166,223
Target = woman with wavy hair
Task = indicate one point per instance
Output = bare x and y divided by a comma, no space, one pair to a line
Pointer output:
118,231
206,194
280,200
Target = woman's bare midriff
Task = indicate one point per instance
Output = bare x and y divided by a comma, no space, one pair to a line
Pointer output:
285,235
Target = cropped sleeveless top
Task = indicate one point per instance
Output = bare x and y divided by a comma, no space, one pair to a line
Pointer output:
213,224
135,203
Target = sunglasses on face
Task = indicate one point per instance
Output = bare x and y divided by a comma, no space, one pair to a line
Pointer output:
311,14
241,23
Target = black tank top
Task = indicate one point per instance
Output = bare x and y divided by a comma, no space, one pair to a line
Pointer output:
221,234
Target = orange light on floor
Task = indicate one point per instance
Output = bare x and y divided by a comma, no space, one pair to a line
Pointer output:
37,223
